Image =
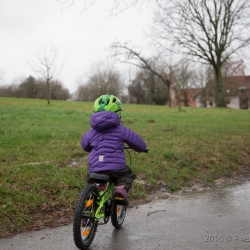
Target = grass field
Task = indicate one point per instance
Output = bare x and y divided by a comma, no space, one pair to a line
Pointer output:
43,168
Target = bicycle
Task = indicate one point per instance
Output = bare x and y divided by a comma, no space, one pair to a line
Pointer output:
97,202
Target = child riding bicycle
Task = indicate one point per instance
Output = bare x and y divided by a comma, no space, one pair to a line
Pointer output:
105,142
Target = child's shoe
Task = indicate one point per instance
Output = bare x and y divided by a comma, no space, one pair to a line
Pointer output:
121,192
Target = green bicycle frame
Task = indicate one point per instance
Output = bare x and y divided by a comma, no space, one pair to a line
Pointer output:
104,196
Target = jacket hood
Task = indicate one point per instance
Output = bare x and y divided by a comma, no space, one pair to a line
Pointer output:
104,120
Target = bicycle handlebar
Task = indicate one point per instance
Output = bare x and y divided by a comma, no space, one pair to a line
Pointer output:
127,147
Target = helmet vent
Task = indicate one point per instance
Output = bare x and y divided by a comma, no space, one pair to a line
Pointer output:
108,103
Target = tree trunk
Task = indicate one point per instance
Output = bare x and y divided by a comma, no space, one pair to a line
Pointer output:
178,95
48,91
172,95
220,98
179,105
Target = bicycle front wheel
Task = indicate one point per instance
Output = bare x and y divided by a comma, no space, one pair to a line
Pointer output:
85,225
118,213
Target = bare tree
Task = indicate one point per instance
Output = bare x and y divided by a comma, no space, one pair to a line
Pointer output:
103,79
159,69
182,79
203,76
44,62
13,89
148,88
9,90
210,31
234,68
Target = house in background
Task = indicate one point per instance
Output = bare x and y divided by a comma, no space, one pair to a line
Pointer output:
237,94
191,98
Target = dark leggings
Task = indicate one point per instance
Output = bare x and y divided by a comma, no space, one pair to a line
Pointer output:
124,177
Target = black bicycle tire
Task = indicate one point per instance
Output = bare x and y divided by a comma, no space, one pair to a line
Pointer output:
79,242
116,222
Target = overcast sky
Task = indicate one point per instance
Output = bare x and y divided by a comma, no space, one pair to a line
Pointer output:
81,39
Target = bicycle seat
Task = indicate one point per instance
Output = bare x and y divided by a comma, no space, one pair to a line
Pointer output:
99,177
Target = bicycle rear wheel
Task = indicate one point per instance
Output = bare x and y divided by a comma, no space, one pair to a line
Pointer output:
118,212
85,225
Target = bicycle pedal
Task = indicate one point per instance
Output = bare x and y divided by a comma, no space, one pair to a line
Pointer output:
121,201
119,198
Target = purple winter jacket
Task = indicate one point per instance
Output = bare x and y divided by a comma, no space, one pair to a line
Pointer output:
105,142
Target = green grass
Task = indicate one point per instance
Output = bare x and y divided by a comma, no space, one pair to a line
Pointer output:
43,168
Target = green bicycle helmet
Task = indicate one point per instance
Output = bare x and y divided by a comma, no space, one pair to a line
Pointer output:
108,103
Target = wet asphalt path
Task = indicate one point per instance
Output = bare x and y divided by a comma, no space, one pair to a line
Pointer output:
219,219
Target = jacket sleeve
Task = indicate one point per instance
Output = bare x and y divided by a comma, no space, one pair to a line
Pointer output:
85,143
133,140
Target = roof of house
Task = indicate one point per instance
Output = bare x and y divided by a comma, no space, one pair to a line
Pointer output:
238,81
233,83
193,93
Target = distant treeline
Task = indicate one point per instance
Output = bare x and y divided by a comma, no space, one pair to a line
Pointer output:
35,88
